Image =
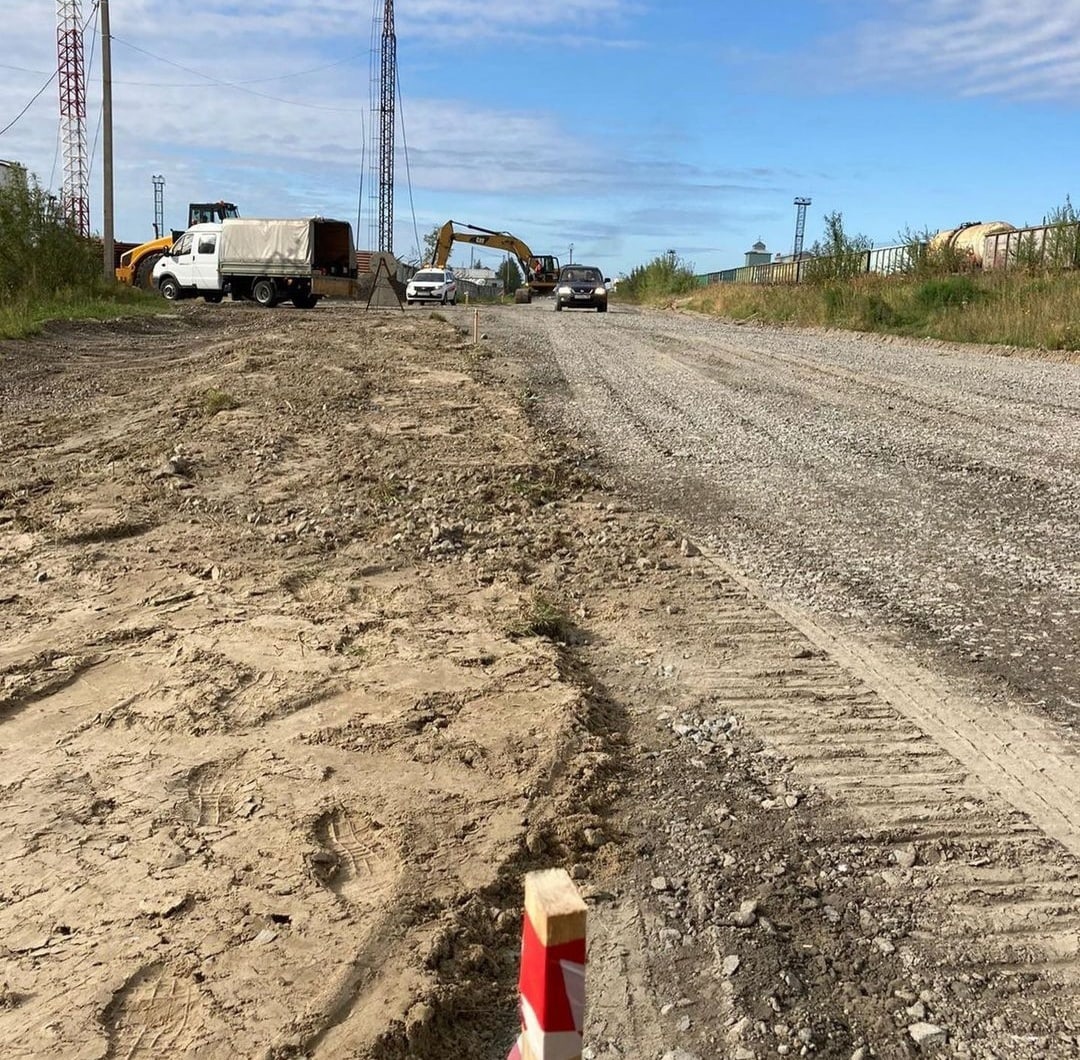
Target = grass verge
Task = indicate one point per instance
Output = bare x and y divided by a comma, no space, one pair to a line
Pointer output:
1028,309
25,315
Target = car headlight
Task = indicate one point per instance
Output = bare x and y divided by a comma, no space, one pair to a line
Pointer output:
565,290
600,292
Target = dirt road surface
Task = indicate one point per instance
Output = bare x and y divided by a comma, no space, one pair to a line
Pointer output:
320,629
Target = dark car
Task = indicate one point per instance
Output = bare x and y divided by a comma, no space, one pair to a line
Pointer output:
581,287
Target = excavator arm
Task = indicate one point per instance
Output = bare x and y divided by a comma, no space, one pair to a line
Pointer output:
541,271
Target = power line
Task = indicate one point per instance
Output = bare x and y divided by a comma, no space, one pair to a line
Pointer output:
101,108
202,84
37,94
408,170
230,84
33,100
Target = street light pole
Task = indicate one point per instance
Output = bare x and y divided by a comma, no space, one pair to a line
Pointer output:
571,262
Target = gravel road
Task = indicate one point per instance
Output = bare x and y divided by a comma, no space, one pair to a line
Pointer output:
911,489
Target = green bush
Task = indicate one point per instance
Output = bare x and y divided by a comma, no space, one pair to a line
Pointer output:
42,254
838,256
838,300
876,314
48,271
946,292
664,277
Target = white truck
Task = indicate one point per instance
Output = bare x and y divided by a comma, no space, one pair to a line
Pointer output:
268,260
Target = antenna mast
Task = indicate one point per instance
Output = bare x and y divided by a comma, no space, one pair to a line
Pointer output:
387,88
74,195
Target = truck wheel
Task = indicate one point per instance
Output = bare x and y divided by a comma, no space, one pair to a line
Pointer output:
144,272
170,289
264,293
213,299
305,301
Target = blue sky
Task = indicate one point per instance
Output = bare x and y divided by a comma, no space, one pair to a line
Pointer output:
624,127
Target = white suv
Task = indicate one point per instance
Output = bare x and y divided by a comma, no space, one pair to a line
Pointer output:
432,285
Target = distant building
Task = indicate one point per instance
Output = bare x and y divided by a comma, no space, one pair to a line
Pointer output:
758,254
10,173
478,283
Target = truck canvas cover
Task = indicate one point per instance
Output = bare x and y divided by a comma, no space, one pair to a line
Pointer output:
285,245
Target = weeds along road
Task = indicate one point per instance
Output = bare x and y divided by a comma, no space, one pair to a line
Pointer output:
926,491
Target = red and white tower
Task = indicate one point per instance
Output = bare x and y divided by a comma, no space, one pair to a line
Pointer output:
75,195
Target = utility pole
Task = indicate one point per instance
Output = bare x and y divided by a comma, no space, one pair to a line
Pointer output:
159,205
108,252
800,227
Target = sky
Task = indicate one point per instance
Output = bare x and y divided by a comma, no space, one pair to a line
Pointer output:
619,128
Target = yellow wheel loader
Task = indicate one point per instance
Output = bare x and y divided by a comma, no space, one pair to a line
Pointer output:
136,268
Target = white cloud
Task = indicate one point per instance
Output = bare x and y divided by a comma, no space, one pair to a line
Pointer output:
523,167
1004,48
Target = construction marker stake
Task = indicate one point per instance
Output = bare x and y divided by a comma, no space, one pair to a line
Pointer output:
476,325
552,978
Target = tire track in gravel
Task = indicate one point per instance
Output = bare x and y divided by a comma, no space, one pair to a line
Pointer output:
972,806
996,416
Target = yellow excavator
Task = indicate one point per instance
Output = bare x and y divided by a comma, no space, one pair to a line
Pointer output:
541,270
136,268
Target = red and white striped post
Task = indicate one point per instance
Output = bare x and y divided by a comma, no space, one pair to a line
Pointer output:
552,977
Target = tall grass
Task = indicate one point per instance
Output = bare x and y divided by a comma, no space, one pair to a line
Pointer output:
663,277
1015,308
838,256
48,271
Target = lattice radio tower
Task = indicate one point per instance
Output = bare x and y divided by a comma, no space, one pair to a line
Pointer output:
75,194
387,87
800,226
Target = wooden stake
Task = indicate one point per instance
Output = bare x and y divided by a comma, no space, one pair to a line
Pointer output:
552,979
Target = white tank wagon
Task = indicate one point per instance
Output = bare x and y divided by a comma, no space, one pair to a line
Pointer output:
969,240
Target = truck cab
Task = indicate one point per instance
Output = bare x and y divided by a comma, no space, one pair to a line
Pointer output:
136,266
190,266
210,212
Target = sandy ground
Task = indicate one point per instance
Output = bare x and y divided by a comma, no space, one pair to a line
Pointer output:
315,640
